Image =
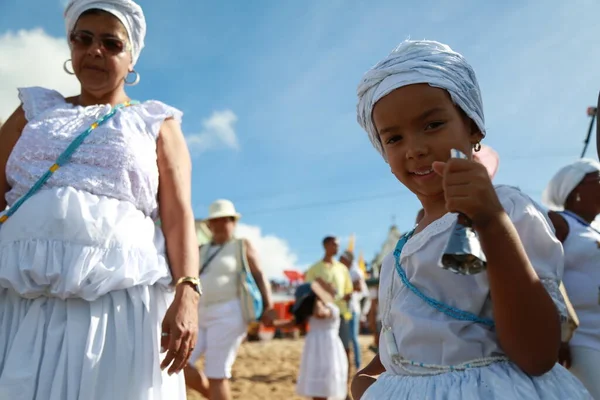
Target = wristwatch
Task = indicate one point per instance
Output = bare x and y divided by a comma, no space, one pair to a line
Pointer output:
193,281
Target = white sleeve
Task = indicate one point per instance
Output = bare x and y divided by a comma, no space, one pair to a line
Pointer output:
36,100
536,232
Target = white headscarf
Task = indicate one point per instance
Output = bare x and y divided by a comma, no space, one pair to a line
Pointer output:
419,61
566,179
129,13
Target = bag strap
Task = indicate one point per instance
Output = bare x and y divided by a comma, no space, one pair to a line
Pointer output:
209,259
63,159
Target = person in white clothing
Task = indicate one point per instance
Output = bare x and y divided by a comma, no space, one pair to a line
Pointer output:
573,195
87,296
324,365
490,335
222,325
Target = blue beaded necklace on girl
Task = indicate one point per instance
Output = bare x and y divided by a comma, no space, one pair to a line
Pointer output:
453,312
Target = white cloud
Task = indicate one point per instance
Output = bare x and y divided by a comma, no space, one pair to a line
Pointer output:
217,132
274,253
32,58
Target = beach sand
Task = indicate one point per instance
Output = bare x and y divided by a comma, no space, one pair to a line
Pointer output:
268,370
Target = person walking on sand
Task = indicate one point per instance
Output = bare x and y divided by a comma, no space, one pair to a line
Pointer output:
222,326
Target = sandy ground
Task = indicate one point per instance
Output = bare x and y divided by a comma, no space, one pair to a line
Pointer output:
268,370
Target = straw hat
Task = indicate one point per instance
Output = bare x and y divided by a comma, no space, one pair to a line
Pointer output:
222,208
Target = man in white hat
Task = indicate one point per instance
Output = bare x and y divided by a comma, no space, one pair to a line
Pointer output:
222,326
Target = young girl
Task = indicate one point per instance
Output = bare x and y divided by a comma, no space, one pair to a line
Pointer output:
493,335
324,366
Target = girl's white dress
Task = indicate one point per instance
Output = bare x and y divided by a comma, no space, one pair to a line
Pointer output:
83,272
423,334
324,365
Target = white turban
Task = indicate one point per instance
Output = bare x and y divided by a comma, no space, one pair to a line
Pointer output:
129,13
566,179
419,61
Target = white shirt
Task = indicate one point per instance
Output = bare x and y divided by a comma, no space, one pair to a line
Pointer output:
357,276
582,280
220,278
424,334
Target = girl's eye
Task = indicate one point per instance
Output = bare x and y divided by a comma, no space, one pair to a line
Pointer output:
434,125
393,139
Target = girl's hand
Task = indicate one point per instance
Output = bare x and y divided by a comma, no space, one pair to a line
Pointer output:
469,190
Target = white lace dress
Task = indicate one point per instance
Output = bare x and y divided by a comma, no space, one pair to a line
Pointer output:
83,273
423,334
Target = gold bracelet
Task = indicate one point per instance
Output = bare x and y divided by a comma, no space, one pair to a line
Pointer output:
193,281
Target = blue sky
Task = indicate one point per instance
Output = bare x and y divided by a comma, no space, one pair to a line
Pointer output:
269,91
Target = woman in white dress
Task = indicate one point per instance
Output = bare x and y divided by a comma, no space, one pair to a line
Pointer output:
87,297
574,196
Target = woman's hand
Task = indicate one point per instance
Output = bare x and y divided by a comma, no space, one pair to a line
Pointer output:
469,190
180,329
268,317
180,325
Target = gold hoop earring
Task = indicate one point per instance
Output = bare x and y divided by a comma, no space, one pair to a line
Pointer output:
66,69
477,147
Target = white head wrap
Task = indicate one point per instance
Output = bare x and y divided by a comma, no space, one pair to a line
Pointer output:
566,179
419,61
129,13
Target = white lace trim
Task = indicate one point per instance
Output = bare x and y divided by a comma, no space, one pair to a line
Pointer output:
118,160
36,100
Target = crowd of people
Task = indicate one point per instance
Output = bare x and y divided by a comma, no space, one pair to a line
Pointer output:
104,293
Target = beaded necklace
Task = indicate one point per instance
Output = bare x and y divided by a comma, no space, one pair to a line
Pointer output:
453,312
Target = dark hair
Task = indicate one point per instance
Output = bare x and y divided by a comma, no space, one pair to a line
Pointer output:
328,239
306,308
94,11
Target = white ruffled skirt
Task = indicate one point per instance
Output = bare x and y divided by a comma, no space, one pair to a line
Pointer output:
83,291
499,381
324,366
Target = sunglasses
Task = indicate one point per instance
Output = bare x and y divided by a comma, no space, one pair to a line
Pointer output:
83,40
